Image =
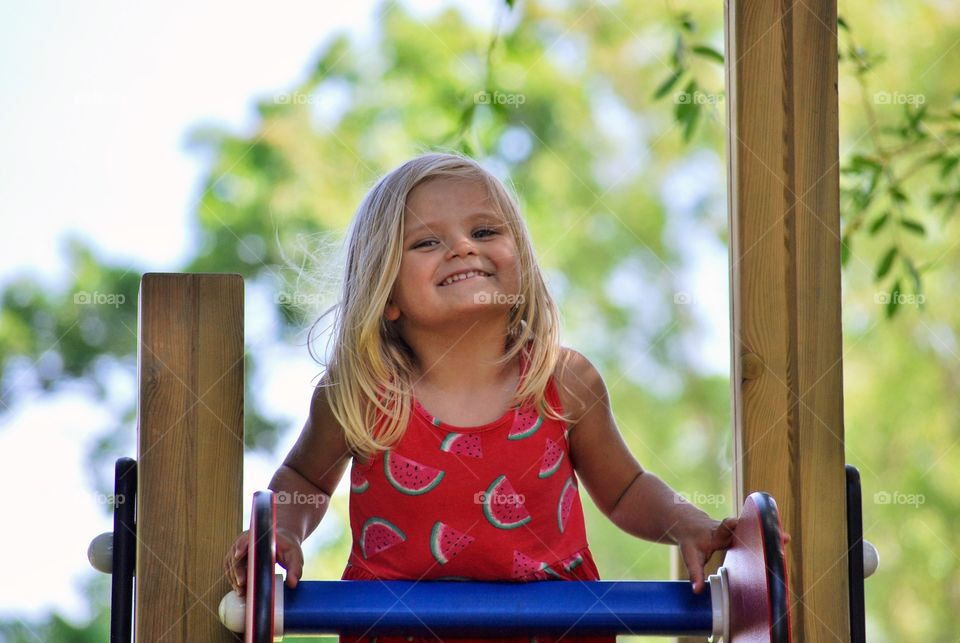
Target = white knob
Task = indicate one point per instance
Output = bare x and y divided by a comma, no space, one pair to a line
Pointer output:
233,610
100,552
871,559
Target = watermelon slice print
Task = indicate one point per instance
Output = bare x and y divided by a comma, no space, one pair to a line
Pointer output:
525,424
410,477
462,444
358,482
552,457
378,535
524,567
503,506
565,504
446,542
573,562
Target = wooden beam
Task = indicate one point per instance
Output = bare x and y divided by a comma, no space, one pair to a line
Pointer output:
189,452
785,290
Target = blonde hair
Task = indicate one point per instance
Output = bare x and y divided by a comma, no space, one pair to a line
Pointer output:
370,374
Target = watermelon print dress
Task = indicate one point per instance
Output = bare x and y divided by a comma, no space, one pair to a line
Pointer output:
495,502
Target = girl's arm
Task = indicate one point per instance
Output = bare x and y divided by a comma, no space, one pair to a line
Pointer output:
303,485
311,471
638,502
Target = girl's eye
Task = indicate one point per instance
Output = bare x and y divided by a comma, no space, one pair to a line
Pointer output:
485,232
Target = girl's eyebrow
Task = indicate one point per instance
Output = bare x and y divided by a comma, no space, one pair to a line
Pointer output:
420,225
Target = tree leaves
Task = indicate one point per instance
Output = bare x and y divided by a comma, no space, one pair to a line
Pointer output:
844,251
668,84
878,224
708,52
886,262
687,110
914,226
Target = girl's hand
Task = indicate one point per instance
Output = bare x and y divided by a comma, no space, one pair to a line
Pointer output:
289,555
698,542
235,563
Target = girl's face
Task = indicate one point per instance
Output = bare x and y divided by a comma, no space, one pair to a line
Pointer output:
451,228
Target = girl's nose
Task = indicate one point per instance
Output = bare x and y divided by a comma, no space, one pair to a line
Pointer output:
461,246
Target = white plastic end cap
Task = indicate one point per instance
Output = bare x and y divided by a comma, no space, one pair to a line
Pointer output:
871,559
278,607
100,552
720,602
233,610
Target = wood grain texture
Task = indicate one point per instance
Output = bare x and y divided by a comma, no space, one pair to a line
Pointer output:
785,290
189,452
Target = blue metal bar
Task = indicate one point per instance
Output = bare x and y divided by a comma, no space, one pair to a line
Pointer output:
496,608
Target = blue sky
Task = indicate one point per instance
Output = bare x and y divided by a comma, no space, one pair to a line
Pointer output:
97,100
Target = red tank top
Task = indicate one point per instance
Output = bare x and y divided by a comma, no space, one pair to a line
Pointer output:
499,501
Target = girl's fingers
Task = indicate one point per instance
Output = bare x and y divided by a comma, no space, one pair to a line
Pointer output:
693,559
723,534
293,576
240,547
294,566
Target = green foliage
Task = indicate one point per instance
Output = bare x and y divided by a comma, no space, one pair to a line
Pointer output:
688,103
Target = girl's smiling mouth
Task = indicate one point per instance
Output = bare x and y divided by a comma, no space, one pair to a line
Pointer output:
463,276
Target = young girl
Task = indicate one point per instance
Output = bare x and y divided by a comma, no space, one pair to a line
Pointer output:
469,428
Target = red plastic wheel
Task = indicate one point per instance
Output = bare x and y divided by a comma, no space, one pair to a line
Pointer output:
261,561
757,575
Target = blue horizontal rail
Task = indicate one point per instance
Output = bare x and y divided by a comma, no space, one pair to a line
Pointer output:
496,608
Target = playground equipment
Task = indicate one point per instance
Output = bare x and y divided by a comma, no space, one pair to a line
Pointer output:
747,599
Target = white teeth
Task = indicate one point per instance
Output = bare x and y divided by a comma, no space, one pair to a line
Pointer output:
461,277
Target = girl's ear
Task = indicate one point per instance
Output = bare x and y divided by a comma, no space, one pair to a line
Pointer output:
391,312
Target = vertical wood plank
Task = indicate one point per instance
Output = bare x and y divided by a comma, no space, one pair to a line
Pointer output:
189,451
785,290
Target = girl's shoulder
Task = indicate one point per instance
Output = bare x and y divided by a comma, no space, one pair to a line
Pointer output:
578,383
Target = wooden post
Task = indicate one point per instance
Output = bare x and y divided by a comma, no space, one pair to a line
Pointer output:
785,291
189,452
